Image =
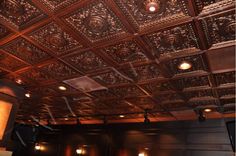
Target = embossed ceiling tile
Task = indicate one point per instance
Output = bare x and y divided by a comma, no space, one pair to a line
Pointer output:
167,11
192,82
19,13
10,63
127,91
4,32
225,78
177,39
220,28
105,93
142,73
56,5
176,106
58,70
157,87
169,98
53,37
199,94
197,62
143,102
26,51
86,61
210,6
96,22
127,51
202,103
225,93
44,91
112,77
36,75
2,73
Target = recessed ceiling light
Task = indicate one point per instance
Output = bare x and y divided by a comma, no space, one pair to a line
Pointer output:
152,5
207,110
121,116
19,81
27,95
62,87
184,65
141,154
66,119
37,147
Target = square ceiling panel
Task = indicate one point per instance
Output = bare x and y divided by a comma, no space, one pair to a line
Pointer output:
19,13
220,27
84,83
26,51
10,63
156,87
127,91
55,38
173,40
126,51
224,79
166,11
86,61
96,22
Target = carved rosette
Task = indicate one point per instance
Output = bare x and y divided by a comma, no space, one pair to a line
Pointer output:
86,61
19,12
53,37
95,22
128,51
26,51
173,40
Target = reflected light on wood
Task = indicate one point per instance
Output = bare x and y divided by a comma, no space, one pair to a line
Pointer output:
5,110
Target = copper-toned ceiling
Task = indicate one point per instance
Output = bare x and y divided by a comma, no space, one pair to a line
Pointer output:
121,58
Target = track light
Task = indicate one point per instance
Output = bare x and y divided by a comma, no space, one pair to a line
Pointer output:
146,119
201,117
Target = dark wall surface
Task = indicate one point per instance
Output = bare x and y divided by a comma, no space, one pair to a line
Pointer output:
187,138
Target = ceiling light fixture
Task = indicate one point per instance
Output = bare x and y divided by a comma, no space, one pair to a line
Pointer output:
152,5
184,65
207,110
28,95
37,147
121,116
141,154
62,88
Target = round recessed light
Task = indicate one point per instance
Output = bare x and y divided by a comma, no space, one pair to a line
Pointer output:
80,151
27,95
152,5
184,65
66,119
207,110
62,87
141,154
121,116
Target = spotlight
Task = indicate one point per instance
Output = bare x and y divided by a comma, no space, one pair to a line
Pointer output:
37,147
141,154
63,88
207,110
80,151
201,117
28,95
146,120
184,65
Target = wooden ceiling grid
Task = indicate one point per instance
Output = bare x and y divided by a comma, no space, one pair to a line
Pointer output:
123,47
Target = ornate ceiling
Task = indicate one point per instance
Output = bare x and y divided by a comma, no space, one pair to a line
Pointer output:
116,58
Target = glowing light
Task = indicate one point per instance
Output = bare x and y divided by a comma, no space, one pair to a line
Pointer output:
185,65
37,147
207,110
19,81
121,116
27,95
152,8
141,154
80,151
62,87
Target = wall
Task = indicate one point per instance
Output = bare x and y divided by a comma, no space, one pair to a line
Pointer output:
189,138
